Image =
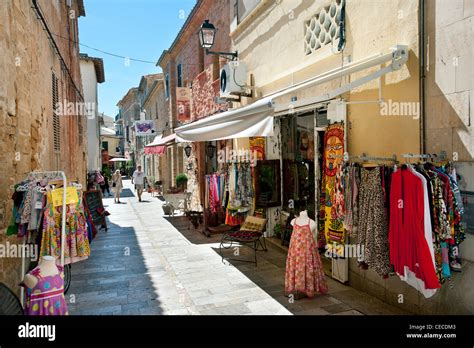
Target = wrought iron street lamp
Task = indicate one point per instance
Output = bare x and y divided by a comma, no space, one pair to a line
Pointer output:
207,35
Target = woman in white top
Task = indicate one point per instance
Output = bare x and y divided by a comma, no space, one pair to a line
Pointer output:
117,185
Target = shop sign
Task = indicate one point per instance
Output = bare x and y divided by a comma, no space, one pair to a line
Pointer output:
144,128
183,103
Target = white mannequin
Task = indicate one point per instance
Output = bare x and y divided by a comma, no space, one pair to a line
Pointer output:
47,267
302,220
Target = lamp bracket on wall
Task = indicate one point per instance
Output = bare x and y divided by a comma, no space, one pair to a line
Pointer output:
228,55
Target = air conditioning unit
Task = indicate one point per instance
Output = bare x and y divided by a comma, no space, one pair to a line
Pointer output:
233,78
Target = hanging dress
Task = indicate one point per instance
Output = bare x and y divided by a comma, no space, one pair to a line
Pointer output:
372,232
77,243
47,296
304,269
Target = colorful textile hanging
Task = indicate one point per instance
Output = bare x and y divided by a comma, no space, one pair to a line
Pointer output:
332,211
257,146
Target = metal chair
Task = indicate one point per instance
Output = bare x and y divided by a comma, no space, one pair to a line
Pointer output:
9,303
250,234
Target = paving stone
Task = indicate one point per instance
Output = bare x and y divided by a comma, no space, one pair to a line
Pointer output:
350,312
336,308
151,311
314,311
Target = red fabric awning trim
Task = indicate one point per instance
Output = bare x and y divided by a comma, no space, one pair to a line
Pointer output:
155,150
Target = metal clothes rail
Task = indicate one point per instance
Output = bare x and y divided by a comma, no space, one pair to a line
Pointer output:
49,175
364,157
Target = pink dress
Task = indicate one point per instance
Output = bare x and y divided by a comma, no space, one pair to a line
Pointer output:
47,296
304,270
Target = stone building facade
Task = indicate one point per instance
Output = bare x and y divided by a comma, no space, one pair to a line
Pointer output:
129,111
38,69
292,31
157,109
186,64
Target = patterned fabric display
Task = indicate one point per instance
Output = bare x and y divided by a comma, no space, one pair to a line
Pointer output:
332,207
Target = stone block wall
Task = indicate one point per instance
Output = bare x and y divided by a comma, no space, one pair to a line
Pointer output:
26,108
449,94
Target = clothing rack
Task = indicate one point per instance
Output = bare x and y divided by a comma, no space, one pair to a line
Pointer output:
441,156
364,157
49,175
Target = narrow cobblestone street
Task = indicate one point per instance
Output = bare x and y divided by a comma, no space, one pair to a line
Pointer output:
144,265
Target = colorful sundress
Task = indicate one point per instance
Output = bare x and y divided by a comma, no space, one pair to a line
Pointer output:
47,296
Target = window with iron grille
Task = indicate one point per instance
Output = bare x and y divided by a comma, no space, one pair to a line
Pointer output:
56,119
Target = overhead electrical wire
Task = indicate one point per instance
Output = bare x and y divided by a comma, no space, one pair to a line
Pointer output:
105,52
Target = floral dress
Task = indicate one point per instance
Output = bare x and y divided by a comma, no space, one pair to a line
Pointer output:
304,270
77,243
47,296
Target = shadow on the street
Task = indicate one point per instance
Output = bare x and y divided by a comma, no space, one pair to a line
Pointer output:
269,275
194,235
126,193
114,280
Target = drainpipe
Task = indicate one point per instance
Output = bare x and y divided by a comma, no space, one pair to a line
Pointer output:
421,57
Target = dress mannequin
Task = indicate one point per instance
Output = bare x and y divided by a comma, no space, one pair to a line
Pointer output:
302,219
45,289
304,274
47,267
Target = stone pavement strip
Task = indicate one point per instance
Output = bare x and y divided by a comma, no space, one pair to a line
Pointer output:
144,265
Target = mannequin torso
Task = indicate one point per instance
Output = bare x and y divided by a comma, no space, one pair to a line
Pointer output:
303,219
47,267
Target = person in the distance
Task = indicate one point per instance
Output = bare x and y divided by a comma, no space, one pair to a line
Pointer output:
138,178
117,185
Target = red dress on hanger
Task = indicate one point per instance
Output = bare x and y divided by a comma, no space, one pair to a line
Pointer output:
408,246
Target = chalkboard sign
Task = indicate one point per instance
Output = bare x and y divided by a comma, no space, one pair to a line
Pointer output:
93,203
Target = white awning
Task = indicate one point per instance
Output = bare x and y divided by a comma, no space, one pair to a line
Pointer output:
249,121
257,119
106,131
156,141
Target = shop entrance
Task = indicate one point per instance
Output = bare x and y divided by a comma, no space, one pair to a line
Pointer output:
297,139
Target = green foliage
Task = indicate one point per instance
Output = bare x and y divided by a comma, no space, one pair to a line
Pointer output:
106,171
277,230
181,179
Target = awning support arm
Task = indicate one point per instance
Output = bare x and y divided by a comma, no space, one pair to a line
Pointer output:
399,58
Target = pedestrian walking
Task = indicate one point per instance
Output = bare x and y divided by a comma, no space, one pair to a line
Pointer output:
138,178
117,185
104,186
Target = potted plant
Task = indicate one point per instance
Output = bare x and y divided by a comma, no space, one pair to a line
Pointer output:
150,179
277,231
181,181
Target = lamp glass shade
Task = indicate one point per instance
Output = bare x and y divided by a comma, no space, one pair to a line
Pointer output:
211,149
207,34
187,150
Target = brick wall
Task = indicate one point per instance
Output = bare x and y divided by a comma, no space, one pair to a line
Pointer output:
26,105
205,89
